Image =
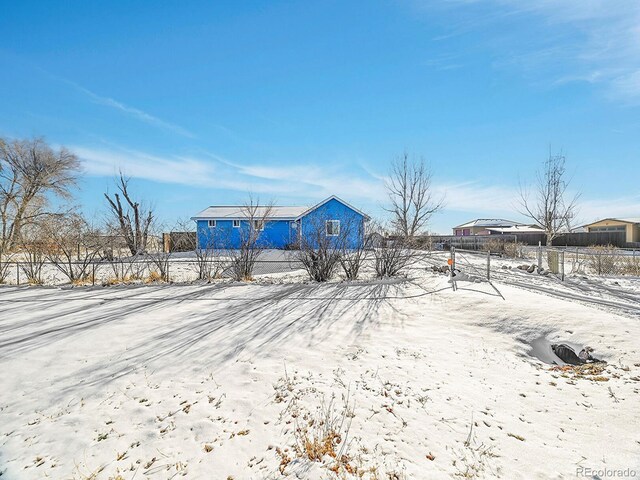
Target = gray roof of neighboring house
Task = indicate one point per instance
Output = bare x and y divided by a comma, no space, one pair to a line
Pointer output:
238,211
489,222
517,229
626,220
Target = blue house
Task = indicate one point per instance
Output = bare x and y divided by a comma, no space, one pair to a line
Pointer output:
283,226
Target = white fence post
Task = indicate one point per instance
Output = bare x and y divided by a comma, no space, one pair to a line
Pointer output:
539,255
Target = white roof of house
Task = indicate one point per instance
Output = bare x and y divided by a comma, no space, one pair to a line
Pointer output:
239,211
517,229
626,220
276,212
489,222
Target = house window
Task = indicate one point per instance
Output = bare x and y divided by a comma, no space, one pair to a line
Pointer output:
333,228
258,225
608,229
236,224
212,223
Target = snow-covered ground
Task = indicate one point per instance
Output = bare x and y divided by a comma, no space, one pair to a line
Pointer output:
228,380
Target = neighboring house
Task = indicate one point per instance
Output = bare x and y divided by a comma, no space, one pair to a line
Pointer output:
481,226
226,226
630,226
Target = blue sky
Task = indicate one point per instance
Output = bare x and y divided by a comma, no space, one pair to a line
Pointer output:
202,102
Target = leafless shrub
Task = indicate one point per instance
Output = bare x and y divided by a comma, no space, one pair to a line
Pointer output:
630,265
354,254
5,263
127,269
395,255
158,264
321,248
209,259
210,263
33,259
514,249
158,261
507,248
73,246
604,260
251,244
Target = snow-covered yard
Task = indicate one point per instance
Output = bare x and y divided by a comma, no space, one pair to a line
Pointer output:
245,381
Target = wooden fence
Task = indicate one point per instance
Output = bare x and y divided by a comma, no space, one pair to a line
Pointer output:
477,242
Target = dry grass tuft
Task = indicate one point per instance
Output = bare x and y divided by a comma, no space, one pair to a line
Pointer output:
154,277
324,438
588,371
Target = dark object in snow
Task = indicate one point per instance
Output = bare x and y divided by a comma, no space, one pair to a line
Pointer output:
531,269
442,269
586,357
566,354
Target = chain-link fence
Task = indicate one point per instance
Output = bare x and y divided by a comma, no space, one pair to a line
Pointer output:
136,271
557,262
191,266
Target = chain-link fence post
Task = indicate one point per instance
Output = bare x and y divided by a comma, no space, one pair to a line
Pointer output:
561,259
489,265
18,273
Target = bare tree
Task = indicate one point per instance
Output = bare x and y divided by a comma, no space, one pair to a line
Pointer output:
31,173
251,242
73,246
550,208
411,195
130,218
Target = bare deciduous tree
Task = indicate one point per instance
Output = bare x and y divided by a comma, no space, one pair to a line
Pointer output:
130,218
550,209
411,195
30,173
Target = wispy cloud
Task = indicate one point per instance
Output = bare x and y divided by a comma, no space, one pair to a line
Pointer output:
125,109
214,172
555,42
